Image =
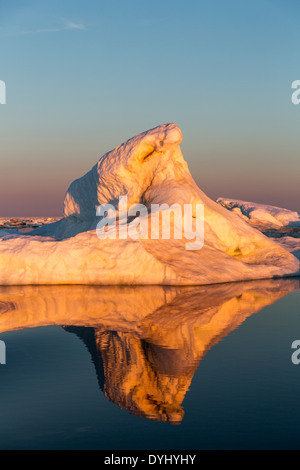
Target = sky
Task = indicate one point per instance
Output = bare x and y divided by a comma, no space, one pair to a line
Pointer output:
83,76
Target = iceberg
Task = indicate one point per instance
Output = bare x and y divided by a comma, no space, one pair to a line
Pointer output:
262,216
148,169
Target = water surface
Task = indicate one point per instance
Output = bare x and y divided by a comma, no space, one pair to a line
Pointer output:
150,367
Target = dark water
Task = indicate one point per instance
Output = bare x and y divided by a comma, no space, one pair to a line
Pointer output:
150,368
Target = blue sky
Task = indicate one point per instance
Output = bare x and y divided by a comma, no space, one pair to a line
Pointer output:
83,76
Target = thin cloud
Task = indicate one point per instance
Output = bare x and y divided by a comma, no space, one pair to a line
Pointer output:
69,25
75,26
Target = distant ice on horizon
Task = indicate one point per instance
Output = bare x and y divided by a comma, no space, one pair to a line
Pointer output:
262,215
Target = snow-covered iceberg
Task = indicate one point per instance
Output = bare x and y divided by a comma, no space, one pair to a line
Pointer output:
262,216
148,169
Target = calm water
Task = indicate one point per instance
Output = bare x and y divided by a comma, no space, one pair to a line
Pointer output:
150,368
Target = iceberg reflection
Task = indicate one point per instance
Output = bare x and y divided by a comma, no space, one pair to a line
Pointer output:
145,342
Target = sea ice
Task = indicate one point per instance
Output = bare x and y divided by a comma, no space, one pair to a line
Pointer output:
261,215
